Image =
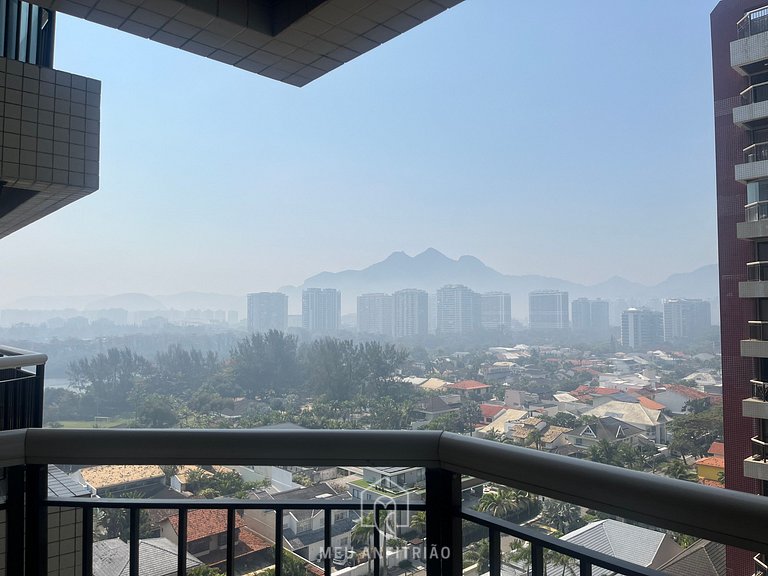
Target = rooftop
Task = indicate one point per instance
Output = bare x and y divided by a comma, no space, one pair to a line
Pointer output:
116,475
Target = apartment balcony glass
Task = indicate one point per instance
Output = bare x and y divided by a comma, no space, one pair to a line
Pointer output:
755,165
754,22
754,105
759,390
26,32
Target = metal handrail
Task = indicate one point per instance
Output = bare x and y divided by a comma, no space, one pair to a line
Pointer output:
756,152
11,357
760,449
758,330
754,94
759,390
725,516
756,211
753,22
757,271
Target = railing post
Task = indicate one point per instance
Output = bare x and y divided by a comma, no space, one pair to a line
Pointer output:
36,527
14,517
444,542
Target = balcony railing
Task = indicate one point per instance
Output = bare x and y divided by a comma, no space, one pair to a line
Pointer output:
725,516
759,390
753,22
21,388
756,211
758,330
756,152
759,449
761,569
757,271
754,94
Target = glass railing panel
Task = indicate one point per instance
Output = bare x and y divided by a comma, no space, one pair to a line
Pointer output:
756,211
753,22
758,330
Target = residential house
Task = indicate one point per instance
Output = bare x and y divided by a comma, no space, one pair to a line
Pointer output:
703,558
157,557
303,530
396,486
710,470
653,422
433,407
470,389
520,398
503,422
490,412
553,437
647,548
520,431
675,397
207,539
606,428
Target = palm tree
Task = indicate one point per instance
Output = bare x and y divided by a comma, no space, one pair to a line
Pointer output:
534,438
479,553
419,521
362,535
562,516
557,559
499,502
521,556
679,470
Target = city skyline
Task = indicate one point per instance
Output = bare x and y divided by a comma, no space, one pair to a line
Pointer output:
354,130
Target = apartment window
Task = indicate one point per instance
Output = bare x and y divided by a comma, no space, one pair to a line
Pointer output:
761,251
757,191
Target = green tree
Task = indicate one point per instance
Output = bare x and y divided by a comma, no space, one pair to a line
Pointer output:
679,470
562,516
419,521
203,570
479,553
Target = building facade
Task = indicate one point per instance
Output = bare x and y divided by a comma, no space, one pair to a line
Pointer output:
590,316
641,329
374,314
267,311
548,310
411,313
320,309
686,319
458,310
739,58
496,311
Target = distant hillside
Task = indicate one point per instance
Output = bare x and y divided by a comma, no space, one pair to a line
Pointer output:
431,270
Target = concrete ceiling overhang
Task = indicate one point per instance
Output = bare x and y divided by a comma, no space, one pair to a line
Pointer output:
293,41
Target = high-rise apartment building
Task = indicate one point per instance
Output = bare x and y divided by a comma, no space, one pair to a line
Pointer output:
739,64
267,311
321,309
548,310
687,319
641,329
458,310
590,316
496,311
411,313
374,314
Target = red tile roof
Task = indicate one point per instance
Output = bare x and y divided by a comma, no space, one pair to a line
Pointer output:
468,385
204,523
687,391
712,462
650,404
717,449
490,410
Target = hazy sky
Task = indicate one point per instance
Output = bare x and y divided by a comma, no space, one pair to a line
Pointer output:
573,141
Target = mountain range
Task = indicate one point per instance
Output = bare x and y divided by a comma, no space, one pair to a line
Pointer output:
428,271
431,270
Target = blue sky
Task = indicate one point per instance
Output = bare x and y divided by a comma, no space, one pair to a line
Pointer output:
575,141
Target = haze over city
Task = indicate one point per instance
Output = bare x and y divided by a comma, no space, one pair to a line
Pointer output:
531,146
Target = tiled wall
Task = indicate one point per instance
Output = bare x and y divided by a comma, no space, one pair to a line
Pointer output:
49,137
65,543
